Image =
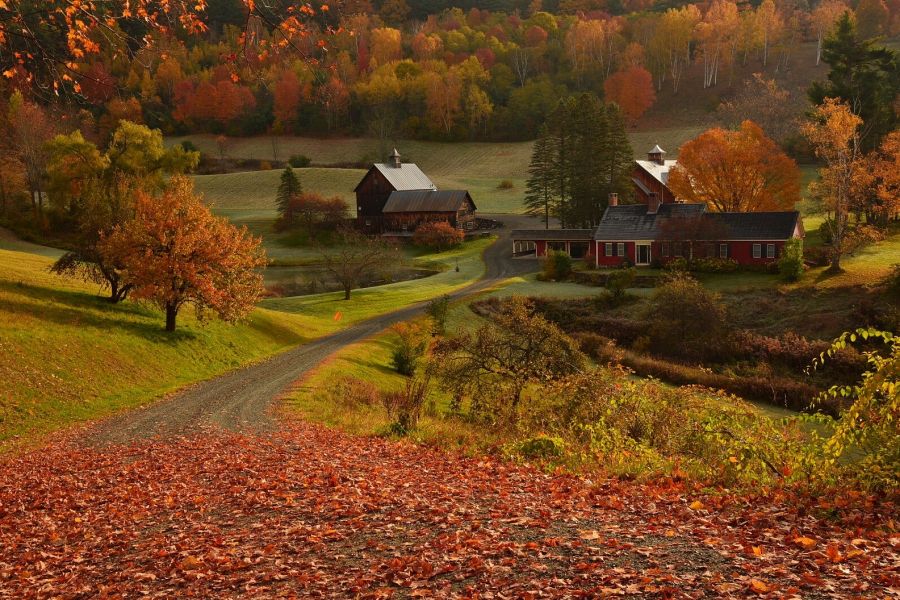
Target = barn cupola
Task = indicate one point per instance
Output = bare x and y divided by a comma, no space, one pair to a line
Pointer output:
657,155
395,159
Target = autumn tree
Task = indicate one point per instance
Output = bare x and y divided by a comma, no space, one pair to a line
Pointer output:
439,235
29,129
872,16
886,170
834,133
356,258
13,183
176,253
632,90
493,366
761,100
314,213
287,95
736,171
824,17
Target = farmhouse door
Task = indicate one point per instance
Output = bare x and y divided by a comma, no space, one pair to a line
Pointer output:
643,254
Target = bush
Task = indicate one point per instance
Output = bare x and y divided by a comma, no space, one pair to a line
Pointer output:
704,265
619,281
439,235
188,146
437,310
299,161
404,407
541,447
556,266
506,184
686,320
790,265
409,348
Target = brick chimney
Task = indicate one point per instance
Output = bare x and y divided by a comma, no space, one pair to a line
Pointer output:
395,159
652,203
613,199
657,155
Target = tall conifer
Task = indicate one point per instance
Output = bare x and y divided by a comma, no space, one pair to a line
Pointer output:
288,188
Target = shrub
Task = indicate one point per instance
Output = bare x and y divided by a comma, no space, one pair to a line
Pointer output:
410,345
892,281
351,392
188,146
299,161
437,310
685,319
506,184
404,407
790,265
556,266
542,447
704,265
619,281
817,256
439,235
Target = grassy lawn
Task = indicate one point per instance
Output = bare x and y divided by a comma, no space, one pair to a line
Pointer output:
329,312
66,355
479,167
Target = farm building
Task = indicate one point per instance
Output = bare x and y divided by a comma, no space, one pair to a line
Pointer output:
394,198
658,228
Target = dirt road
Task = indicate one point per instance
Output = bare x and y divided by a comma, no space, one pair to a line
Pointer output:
239,400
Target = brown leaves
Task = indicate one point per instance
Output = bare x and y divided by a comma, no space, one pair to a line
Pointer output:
312,512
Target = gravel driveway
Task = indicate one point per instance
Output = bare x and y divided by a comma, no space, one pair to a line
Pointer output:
239,400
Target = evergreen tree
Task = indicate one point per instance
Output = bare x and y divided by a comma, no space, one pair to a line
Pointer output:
862,75
590,130
542,189
287,189
618,156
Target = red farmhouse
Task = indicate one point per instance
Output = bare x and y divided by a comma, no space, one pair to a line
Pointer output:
659,228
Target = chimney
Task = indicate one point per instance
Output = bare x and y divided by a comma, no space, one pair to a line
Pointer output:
613,199
657,155
652,203
395,159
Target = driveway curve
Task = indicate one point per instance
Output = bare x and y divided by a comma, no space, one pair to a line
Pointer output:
240,400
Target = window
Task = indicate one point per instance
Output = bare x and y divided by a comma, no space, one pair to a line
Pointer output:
710,250
607,249
723,250
770,250
620,249
665,248
676,249
757,250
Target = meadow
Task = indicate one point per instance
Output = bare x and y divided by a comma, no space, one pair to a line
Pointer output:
479,167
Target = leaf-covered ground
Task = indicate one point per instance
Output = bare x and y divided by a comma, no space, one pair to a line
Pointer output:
312,512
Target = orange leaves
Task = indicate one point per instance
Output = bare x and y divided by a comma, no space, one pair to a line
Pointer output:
805,542
632,89
696,505
760,587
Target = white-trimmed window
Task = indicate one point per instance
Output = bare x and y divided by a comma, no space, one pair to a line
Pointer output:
620,249
608,249
723,250
757,250
770,250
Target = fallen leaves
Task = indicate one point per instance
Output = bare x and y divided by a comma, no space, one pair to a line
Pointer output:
310,512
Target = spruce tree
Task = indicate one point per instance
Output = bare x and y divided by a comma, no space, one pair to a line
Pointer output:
586,168
618,156
864,76
287,189
541,191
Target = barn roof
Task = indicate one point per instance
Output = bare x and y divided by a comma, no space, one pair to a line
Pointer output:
660,172
633,222
407,176
757,225
552,235
427,201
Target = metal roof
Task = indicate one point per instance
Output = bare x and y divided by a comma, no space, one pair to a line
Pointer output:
405,177
633,222
657,150
427,201
660,172
554,235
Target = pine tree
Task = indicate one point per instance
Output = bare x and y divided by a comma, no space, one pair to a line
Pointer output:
288,188
542,189
586,160
618,156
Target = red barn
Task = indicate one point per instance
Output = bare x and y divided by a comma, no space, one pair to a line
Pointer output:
395,197
651,178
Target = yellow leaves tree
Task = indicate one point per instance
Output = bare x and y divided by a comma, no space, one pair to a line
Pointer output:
736,171
833,132
384,45
824,16
886,171
175,253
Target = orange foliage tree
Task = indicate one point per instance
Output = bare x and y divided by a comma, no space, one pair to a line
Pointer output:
175,252
632,90
439,235
736,171
886,169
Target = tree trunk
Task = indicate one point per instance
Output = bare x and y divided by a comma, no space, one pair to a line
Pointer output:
171,314
347,290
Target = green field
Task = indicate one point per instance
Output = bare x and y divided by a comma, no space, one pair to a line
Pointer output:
476,166
67,355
